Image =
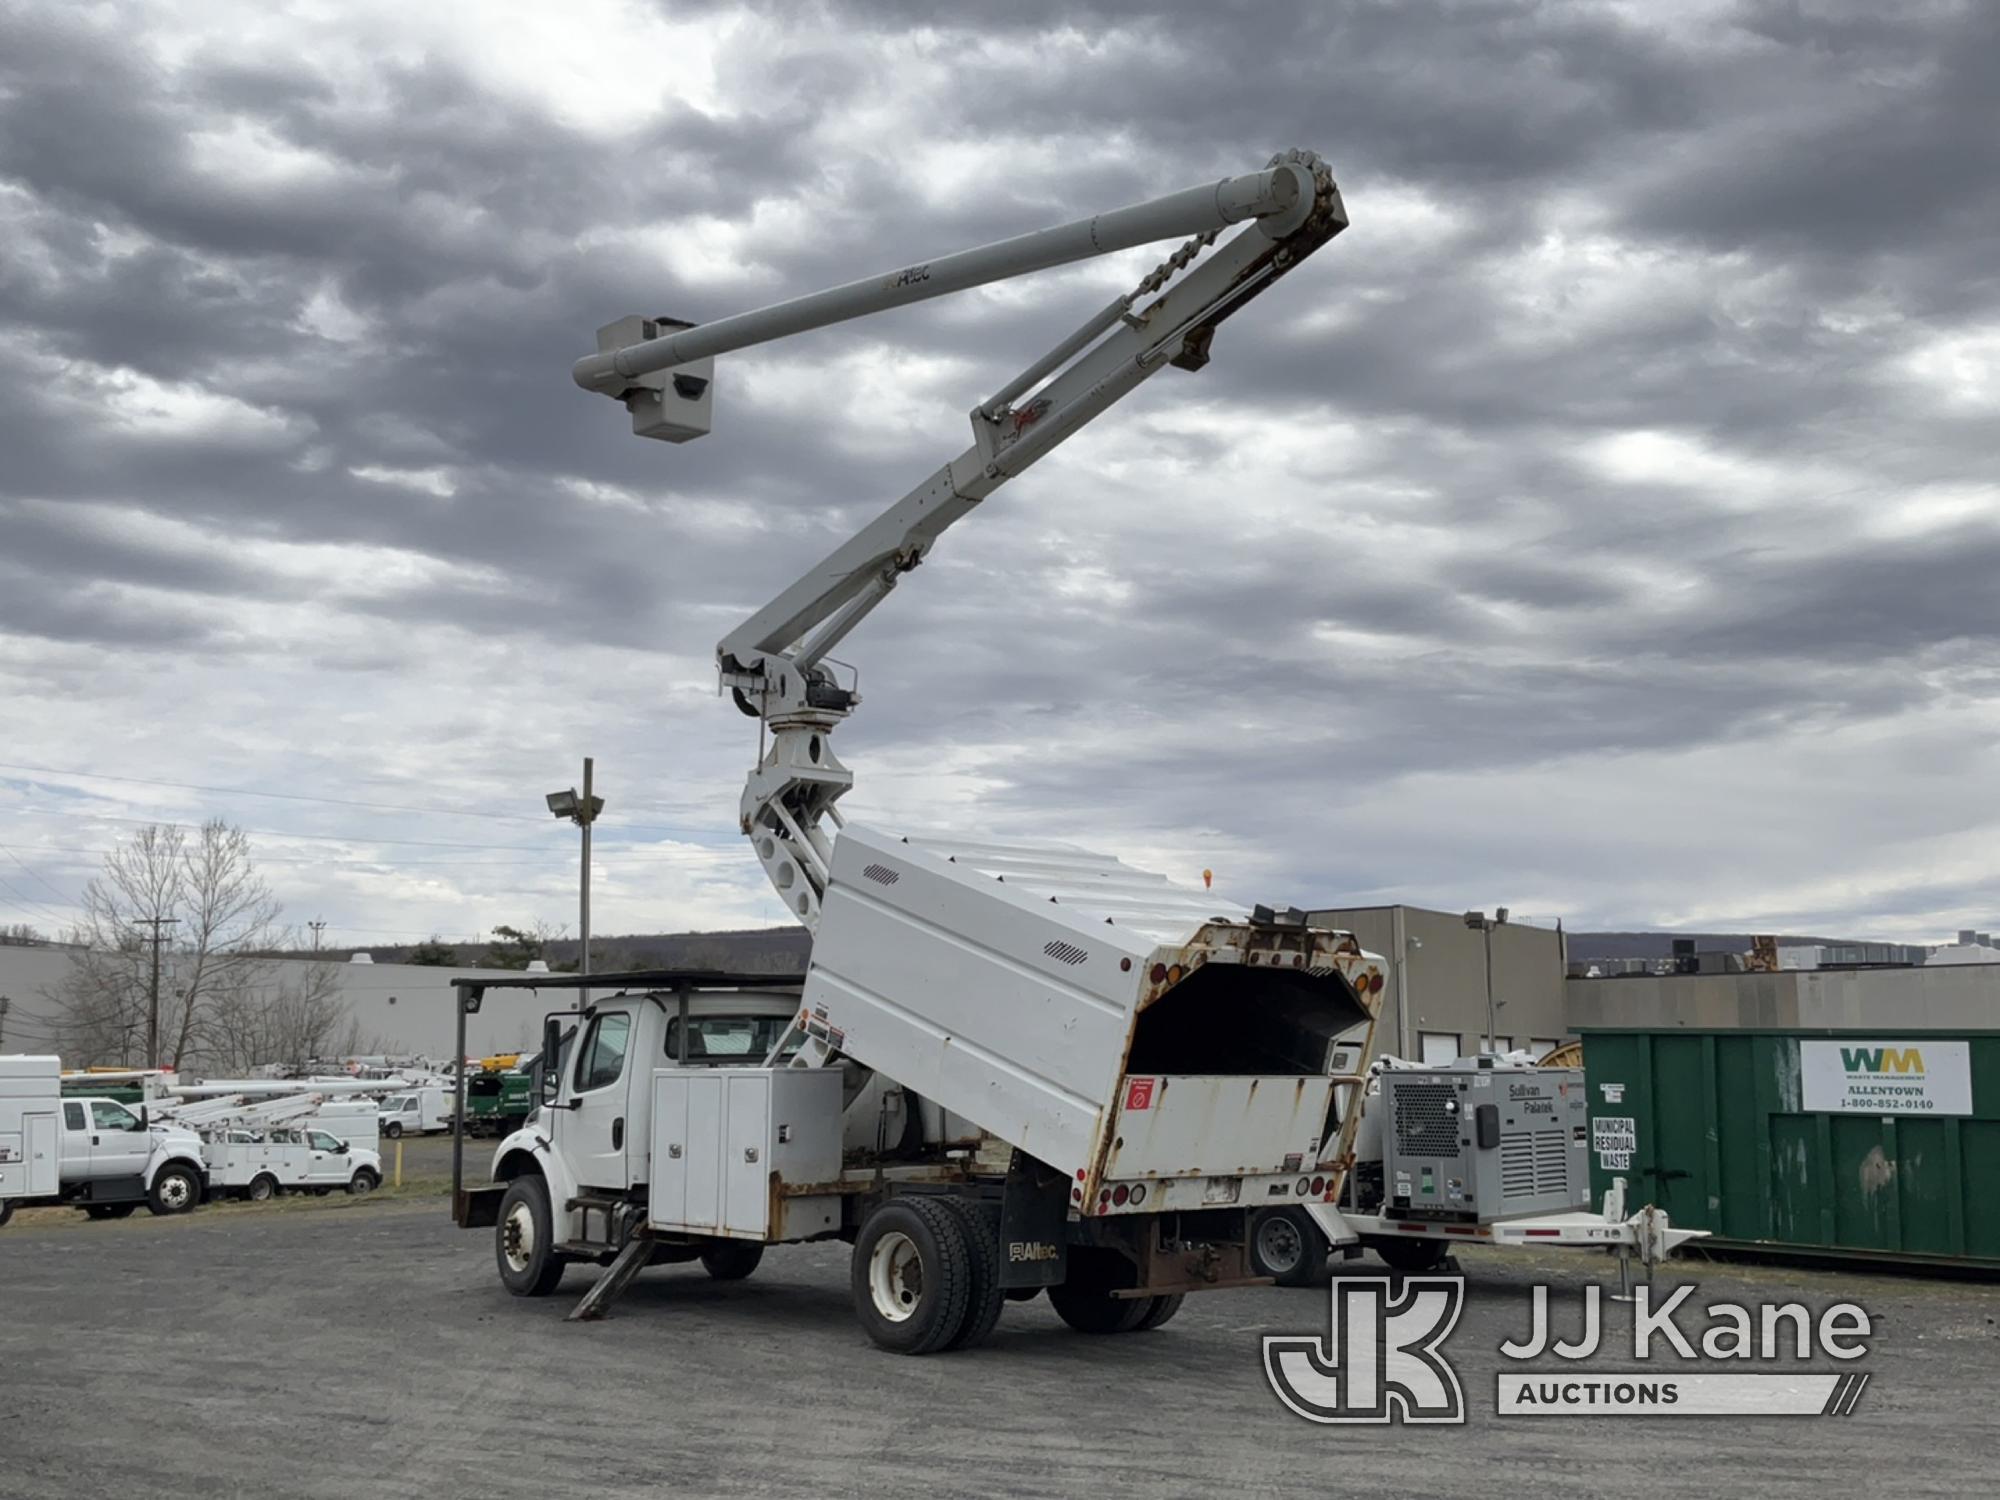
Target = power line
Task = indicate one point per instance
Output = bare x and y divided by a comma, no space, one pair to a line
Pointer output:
24,865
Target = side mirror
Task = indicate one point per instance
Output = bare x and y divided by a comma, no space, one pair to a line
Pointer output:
341,1149
548,1067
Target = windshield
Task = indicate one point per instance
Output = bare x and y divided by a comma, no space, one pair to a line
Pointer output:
397,1106
743,1040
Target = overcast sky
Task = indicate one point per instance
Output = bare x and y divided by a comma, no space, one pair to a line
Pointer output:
1605,526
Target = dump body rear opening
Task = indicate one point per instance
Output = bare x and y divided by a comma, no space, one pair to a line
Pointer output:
1231,1020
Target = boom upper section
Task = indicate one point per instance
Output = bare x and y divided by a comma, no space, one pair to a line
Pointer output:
776,663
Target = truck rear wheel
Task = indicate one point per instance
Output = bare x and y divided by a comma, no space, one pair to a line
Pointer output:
175,1190
912,1275
985,1297
1410,1256
1090,1309
1160,1310
732,1260
108,1210
1288,1247
263,1188
6,1211
524,1239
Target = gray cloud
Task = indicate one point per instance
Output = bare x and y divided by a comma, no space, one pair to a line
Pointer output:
1617,456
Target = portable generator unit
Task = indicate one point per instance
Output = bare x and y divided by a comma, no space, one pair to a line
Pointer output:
1481,1139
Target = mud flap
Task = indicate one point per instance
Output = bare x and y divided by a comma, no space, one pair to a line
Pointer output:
1034,1218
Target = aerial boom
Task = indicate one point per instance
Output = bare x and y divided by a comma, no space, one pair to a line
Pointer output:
776,664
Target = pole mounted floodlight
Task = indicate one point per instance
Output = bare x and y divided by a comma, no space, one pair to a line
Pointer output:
582,811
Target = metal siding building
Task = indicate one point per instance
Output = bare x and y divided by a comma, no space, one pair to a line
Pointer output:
1951,997
1435,1000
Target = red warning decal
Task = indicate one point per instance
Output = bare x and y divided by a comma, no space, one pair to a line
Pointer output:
1139,1093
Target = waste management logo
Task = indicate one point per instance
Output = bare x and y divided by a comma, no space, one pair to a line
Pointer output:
1883,1077
1382,1358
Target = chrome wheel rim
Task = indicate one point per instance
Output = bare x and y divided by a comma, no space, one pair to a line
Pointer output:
176,1191
896,1277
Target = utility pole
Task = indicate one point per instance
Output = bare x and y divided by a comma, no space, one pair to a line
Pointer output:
5,1006
317,927
153,993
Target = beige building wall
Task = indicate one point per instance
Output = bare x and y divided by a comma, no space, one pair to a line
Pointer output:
1956,997
1435,998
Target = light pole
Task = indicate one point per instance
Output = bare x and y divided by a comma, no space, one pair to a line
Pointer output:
581,811
1484,925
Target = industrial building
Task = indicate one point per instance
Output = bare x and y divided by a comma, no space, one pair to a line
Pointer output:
1434,1007
1948,997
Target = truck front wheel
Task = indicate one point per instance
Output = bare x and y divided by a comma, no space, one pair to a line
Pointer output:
732,1260
912,1275
393,1130
524,1239
1288,1247
175,1190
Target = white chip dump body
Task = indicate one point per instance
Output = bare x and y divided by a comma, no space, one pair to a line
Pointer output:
1098,1017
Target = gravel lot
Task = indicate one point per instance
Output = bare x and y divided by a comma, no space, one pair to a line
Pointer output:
354,1349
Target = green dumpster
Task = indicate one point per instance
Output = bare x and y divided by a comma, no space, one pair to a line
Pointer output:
1877,1144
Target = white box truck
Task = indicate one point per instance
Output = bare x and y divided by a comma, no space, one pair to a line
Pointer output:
420,1110
109,1160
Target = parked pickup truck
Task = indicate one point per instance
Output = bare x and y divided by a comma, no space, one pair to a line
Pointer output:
261,1164
94,1154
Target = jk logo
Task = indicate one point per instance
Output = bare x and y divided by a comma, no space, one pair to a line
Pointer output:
1379,1361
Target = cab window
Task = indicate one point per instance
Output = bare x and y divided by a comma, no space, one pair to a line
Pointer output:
107,1114
321,1141
73,1116
602,1059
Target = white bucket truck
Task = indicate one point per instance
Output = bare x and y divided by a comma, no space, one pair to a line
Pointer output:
1005,1069
258,1148
94,1154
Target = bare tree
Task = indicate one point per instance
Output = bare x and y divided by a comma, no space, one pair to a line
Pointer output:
222,997
20,935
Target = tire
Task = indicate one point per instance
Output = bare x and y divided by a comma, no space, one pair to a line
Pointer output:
263,1188
1410,1256
6,1211
362,1183
1288,1247
732,1260
1088,1309
524,1239
175,1190
109,1210
985,1297
1160,1310
911,1275
393,1130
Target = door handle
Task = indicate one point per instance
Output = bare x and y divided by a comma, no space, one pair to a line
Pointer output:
95,1142
618,1134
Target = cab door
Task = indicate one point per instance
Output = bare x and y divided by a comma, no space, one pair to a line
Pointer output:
119,1143
594,1135
326,1165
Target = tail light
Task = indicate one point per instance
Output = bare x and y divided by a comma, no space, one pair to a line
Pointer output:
1318,1186
1119,1195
